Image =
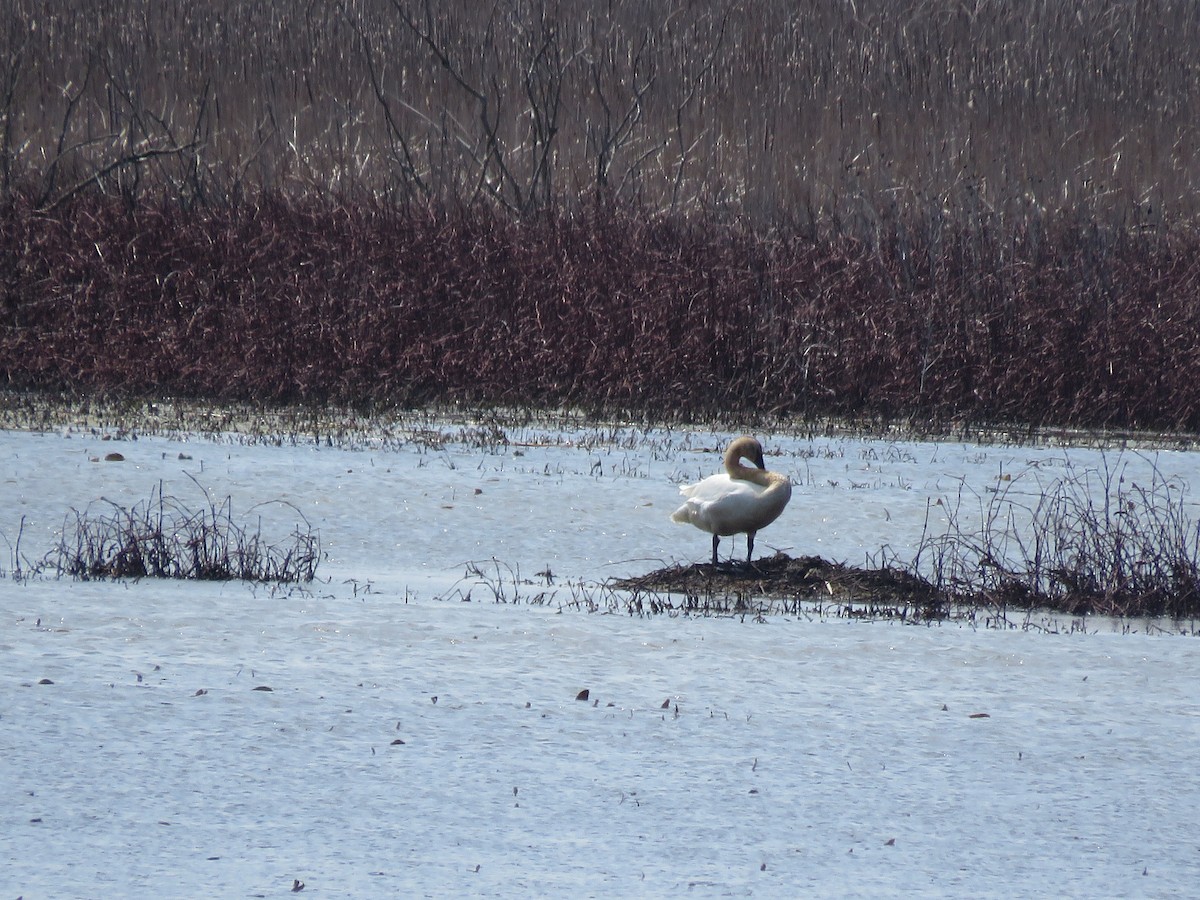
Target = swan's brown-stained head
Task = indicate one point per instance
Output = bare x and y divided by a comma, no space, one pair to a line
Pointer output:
743,448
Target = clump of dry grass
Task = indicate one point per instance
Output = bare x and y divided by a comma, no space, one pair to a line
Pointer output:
162,538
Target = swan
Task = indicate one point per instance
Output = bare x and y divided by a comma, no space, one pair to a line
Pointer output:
741,499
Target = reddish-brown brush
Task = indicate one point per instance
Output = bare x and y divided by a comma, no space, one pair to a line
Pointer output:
283,300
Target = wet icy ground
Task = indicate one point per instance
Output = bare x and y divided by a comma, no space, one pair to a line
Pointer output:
795,757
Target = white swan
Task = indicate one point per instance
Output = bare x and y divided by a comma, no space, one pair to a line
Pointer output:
742,499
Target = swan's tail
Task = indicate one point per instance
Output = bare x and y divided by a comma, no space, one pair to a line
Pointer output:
685,515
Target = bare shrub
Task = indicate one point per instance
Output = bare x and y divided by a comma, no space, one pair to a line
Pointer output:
1092,541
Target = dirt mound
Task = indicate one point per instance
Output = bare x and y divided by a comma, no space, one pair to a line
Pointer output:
782,584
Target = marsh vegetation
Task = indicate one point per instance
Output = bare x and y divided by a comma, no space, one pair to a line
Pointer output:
939,213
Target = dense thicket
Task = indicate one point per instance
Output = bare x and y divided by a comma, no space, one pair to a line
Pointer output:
284,302
946,209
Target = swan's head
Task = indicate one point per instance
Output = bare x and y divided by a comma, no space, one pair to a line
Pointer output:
744,448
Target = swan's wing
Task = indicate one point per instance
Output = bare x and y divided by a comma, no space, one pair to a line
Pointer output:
722,505
711,487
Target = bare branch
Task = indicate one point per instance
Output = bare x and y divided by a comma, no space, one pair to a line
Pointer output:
399,139
131,160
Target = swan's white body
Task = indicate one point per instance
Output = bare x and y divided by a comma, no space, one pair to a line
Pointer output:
740,500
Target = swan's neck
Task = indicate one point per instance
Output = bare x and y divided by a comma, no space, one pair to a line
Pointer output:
749,449
741,472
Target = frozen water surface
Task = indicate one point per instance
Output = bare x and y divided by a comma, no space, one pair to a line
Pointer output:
795,757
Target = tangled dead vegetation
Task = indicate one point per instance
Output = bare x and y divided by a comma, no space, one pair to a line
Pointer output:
781,584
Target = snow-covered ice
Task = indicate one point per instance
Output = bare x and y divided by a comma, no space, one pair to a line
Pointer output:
795,757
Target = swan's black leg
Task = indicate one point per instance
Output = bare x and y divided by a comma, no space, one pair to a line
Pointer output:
716,540
749,546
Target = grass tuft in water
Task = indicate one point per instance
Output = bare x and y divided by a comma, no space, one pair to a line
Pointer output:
163,538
